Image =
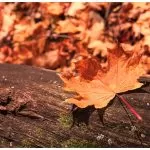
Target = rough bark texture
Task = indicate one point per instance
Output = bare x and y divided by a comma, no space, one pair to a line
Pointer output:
48,123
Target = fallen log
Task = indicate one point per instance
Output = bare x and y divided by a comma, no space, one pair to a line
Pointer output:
45,120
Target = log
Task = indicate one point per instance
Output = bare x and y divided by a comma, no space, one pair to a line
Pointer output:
47,121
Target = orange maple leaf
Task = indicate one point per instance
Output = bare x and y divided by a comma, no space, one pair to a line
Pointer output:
96,86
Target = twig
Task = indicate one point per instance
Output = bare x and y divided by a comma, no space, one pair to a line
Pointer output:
130,107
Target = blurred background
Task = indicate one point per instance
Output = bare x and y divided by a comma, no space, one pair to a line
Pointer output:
56,35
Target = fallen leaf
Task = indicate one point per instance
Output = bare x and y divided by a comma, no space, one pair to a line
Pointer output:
66,26
74,31
75,7
53,8
96,86
50,59
100,47
8,20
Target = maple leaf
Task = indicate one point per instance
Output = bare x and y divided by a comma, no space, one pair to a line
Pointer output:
96,86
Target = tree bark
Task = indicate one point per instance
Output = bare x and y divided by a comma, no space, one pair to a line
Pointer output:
49,122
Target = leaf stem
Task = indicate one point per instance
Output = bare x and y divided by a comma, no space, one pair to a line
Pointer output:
130,107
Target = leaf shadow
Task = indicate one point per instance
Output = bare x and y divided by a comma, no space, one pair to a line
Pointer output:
82,115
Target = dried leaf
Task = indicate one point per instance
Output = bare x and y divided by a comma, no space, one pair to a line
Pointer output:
8,20
75,7
53,8
66,26
97,87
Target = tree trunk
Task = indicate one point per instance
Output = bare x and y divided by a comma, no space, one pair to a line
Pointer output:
48,123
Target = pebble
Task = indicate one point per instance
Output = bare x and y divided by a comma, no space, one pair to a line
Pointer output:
4,78
100,137
143,135
133,128
10,144
110,141
54,82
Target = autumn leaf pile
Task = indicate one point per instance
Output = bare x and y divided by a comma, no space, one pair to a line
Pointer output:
57,35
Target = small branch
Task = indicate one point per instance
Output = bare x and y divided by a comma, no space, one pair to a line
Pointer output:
130,107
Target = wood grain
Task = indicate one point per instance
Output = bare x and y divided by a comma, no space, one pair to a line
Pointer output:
53,126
